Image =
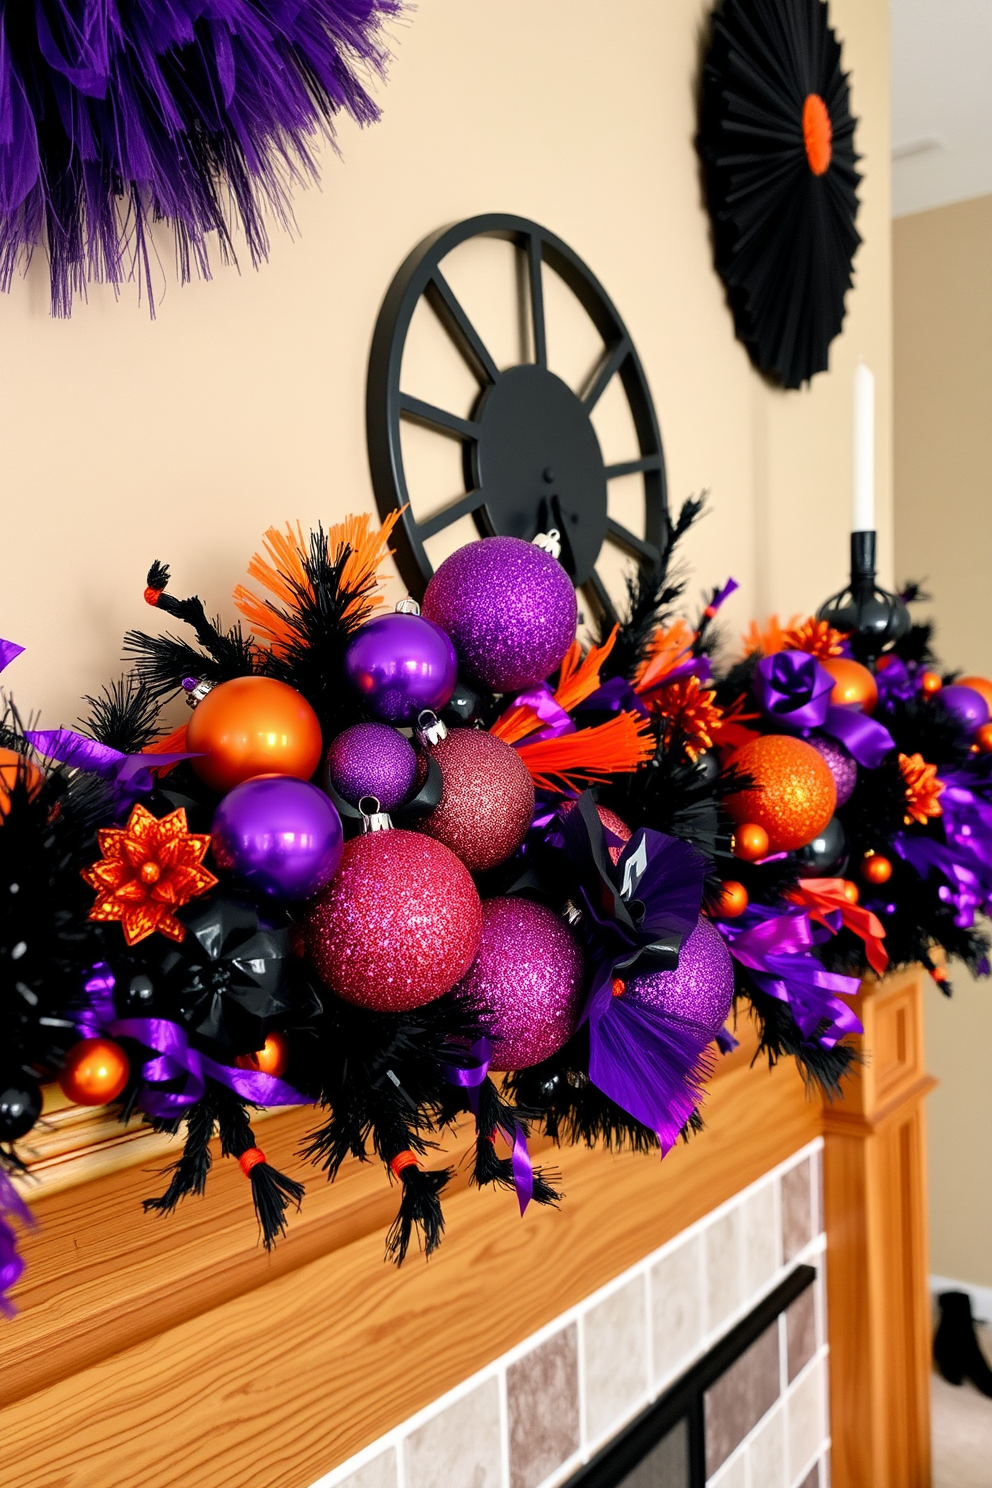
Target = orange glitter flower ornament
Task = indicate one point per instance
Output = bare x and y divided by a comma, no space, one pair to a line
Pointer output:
923,789
689,711
815,637
149,869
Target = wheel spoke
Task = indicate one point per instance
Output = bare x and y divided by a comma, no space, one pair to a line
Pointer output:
596,589
450,312
646,551
633,467
463,507
537,300
437,418
615,359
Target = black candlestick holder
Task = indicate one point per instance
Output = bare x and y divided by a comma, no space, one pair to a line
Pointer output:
872,617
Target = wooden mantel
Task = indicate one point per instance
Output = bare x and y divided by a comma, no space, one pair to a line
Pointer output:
169,1352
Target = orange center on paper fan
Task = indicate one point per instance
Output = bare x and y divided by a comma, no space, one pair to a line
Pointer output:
149,869
816,638
923,789
818,134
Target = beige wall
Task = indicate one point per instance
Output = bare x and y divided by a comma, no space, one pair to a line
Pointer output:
124,440
942,291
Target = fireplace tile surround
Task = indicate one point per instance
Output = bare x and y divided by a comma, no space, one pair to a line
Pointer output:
531,1418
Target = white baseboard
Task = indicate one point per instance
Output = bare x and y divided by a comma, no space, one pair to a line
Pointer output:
981,1297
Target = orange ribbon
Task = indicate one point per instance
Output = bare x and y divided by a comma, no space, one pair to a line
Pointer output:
825,896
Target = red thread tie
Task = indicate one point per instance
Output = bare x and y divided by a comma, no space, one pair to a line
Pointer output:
403,1160
251,1159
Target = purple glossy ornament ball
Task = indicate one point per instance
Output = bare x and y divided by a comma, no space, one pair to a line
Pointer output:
701,988
508,606
371,759
526,981
401,664
965,704
278,836
398,926
842,766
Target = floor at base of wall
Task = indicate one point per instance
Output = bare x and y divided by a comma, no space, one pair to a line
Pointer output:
962,1431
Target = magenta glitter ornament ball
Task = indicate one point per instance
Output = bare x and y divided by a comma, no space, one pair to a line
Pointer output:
842,766
508,606
487,802
526,981
371,759
398,926
700,990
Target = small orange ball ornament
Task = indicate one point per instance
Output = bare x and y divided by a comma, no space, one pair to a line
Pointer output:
983,738
931,683
793,796
253,726
95,1072
13,764
981,685
876,869
853,683
733,900
750,842
272,1058
851,891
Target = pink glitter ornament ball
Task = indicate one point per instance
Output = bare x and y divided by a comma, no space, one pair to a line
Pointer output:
508,606
842,766
701,988
488,798
399,924
371,759
526,980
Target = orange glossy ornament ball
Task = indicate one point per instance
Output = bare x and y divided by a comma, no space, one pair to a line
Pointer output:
13,764
271,1059
793,796
931,683
751,842
733,900
983,738
853,683
851,891
981,685
95,1072
253,726
876,869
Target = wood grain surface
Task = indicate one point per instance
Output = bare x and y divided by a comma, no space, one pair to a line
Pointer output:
170,1352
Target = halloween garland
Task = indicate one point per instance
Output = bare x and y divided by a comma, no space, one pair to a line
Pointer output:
412,867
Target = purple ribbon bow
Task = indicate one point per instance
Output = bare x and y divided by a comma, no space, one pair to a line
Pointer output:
12,1207
131,772
895,682
9,651
471,1077
793,689
777,950
172,1058
541,699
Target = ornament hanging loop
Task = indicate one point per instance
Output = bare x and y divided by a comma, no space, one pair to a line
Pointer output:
550,541
196,690
430,729
408,606
374,820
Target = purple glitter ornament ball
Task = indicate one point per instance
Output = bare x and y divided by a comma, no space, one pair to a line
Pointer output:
526,980
842,766
401,664
965,704
701,988
279,836
508,606
371,759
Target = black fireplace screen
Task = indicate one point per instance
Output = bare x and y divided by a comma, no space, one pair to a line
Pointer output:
680,1440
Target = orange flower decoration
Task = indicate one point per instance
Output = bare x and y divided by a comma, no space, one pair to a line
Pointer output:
815,637
669,647
689,710
768,638
149,869
923,789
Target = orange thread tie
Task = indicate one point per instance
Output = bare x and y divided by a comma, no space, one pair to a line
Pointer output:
152,596
403,1160
251,1159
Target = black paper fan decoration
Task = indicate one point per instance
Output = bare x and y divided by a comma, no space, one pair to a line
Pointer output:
776,138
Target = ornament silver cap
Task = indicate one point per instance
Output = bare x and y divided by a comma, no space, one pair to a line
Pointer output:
408,606
374,820
196,690
430,729
550,542
571,912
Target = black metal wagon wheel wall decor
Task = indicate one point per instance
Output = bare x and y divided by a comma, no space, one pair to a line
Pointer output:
776,137
531,457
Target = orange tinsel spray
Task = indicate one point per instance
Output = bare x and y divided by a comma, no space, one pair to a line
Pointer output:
591,755
578,679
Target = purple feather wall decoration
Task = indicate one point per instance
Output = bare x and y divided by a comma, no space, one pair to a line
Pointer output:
118,113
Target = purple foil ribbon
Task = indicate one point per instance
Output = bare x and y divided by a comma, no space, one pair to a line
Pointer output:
720,596
131,772
964,858
896,683
793,690
470,1077
552,715
12,1207
777,950
9,651
173,1059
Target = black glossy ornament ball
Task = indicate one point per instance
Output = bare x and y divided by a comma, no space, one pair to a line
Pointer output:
20,1106
826,855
